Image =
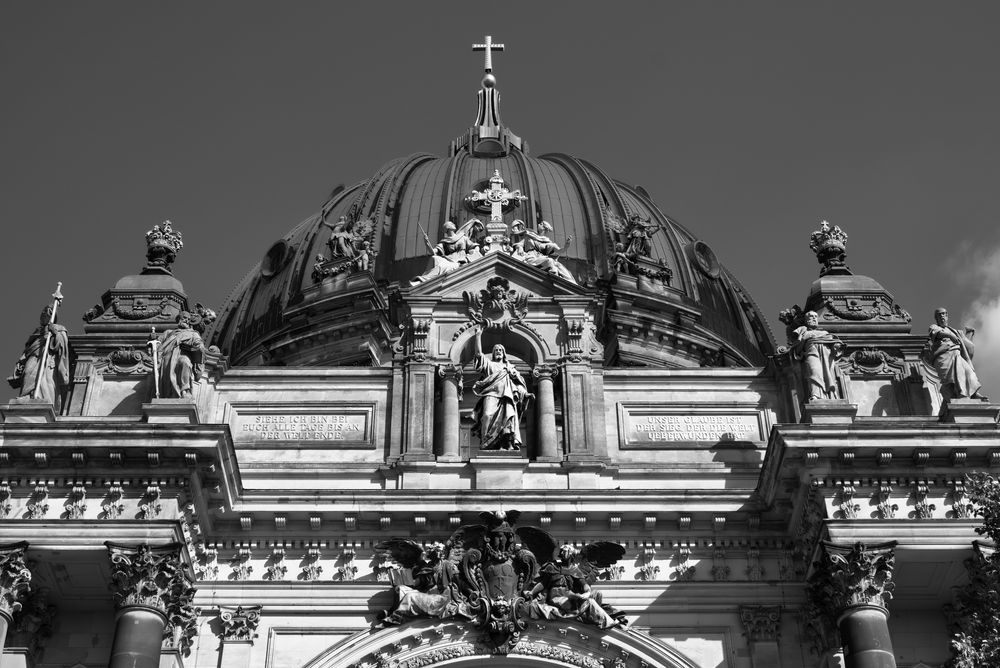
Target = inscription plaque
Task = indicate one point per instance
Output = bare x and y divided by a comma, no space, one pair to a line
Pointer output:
330,425
652,428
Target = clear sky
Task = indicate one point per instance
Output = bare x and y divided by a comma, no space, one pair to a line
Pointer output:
747,122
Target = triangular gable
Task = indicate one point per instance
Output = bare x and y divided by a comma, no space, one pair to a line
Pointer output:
473,277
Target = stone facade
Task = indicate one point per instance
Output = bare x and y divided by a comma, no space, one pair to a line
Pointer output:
260,515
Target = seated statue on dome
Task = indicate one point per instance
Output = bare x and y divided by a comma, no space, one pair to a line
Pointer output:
538,250
640,234
950,351
457,247
341,241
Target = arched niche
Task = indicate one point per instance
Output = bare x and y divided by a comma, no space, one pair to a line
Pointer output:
543,644
521,341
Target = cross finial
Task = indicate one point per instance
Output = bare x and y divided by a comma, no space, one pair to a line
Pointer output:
488,46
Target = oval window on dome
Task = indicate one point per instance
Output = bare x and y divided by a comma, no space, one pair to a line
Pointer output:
704,259
275,259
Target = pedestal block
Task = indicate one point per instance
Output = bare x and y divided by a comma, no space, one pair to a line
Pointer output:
829,411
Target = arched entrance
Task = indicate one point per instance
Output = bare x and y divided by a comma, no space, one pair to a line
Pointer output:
425,643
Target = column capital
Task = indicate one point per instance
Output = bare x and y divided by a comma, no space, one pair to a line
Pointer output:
239,623
853,576
545,371
761,623
15,578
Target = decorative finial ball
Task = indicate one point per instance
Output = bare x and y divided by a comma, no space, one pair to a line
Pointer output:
489,81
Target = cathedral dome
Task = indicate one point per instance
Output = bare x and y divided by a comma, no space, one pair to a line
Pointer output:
398,215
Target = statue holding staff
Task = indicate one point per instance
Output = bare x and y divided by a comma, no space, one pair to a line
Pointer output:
950,352
503,398
817,350
43,370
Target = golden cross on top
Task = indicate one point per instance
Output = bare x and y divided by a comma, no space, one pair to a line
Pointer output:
488,47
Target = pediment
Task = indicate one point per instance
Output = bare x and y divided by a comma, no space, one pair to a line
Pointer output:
472,277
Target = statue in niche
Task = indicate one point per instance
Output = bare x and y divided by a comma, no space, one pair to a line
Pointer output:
950,352
537,249
817,350
181,354
457,247
503,398
51,376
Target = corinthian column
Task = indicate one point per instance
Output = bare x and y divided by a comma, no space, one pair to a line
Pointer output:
448,410
851,585
548,444
15,581
150,590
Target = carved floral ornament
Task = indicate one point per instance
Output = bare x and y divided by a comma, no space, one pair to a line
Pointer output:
846,577
761,623
15,578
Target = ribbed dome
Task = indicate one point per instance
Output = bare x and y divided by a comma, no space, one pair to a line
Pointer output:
420,193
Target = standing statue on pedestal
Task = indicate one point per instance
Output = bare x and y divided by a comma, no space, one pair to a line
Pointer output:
950,352
503,398
818,351
181,354
43,370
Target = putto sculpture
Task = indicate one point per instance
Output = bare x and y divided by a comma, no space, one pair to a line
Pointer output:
43,370
498,577
503,398
179,354
950,352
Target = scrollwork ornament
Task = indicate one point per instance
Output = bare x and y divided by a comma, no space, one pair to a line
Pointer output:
761,623
15,578
239,623
497,306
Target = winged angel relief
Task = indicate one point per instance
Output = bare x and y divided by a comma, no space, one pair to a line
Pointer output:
498,577
497,306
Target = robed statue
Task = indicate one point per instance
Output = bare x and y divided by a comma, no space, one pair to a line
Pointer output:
817,350
503,398
950,351
181,354
43,370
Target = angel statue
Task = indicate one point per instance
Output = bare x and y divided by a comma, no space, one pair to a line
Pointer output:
563,587
458,246
434,592
503,398
538,250
349,240
636,235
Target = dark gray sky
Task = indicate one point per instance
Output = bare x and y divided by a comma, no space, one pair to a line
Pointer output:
747,122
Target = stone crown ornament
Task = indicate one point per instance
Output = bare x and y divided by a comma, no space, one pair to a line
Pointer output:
830,246
162,245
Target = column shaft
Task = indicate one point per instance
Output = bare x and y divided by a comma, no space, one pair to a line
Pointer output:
865,632
138,637
449,417
548,445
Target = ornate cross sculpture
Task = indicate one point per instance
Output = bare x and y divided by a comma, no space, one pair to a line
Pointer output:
488,47
496,197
